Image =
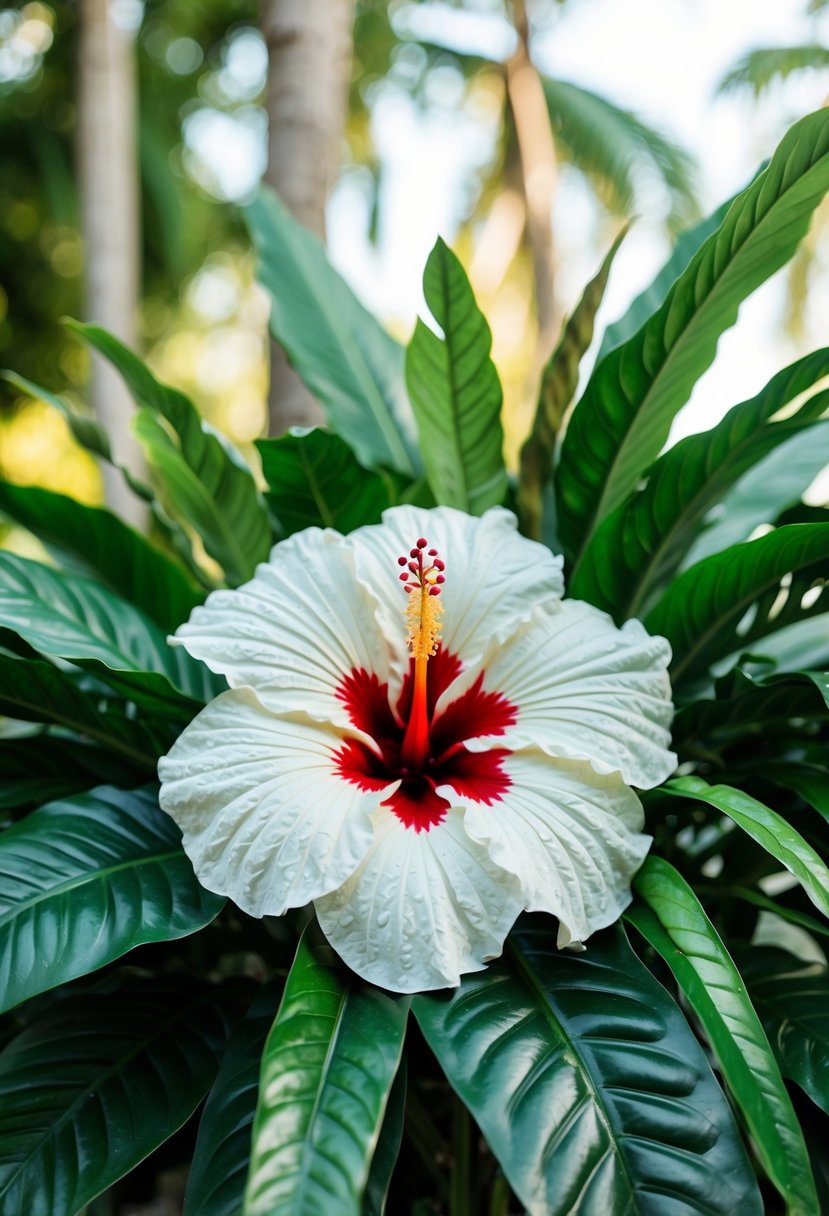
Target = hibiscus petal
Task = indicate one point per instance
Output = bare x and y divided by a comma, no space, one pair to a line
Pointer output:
295,630
265,817
493,574
570,835
422,909
584,690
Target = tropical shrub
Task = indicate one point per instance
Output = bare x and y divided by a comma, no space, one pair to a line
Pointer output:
680,1063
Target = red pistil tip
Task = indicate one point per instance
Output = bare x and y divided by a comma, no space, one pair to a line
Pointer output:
414,553
401,561
413,567
433,552
440,579
439,565
422,542
434,590
403,577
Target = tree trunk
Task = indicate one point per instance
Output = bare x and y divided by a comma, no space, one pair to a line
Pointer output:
309,48
539,173
107,155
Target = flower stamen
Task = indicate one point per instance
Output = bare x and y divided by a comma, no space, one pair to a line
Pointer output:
422,578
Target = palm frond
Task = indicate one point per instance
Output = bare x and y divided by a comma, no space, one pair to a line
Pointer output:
613,147
761,67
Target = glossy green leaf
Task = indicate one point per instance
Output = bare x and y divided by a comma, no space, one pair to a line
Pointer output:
388,1148
91,436
643,541
792,998
72,617
327,1071
87,879
97,542
38,692
314,480
96,1082
745,710
809,782
703,614
672,919
765,826
625,413
205,477
35,770
559,380
216,1181
770,488
344,356
817,928
649,300
588,1083
455,391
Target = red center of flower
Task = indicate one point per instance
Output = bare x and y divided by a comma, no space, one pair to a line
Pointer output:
411,743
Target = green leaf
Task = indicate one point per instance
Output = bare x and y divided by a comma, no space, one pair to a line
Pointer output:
33,771
588,1083
87,879
649,300
769,829
96,1082
388,1148
98,542
207,480
642,542
455,392
559,380
792,998
759,68
771,487
745,710
314,480
71,617
625,413
727,601
91,436
327,1071
38,692
345,358
216,1181
673,921
807,781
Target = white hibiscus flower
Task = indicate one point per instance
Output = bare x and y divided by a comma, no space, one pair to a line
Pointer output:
424,739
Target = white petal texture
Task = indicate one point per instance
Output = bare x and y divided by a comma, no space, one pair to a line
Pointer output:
422,909
421,799
571,837
585,690
494,576
292,631
265,817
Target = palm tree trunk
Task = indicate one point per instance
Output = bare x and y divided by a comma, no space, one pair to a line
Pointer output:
309,48
539,174
108,170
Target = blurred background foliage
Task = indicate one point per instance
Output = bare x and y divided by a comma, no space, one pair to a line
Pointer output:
201,78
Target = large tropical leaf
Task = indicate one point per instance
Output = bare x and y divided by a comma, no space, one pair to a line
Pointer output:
216,1181
625,413
314,480
729,600
35,770
636,548
205,478
83,881
327,1071
672,919
559,380
388,1148
792,998
97,1081
612,146
97,542
455,392
346,359
72,617
761,67
745,711
588,1083
35,691
769,829
771,487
